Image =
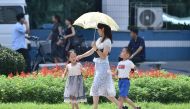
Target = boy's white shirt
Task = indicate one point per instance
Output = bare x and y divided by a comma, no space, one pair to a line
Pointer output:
124,68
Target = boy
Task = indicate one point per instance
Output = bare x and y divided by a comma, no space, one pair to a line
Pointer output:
125,66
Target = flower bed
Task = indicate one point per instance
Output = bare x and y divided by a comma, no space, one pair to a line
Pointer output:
48,86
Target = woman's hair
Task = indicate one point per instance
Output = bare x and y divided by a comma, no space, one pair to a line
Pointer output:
58,18
70,20
107,31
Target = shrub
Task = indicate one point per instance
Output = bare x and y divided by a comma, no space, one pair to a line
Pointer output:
49,89
10,61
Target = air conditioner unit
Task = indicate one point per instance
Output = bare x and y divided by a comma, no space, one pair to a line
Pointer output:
150,17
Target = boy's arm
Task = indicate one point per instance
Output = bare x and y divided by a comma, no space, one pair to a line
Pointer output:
134,69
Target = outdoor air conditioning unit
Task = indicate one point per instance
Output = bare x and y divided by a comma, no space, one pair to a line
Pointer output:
150,17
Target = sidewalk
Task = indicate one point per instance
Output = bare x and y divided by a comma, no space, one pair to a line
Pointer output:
178,67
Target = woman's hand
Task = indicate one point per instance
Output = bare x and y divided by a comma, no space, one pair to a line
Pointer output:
79,57
59,42
65,37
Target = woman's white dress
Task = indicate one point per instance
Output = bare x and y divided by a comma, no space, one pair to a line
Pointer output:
103,84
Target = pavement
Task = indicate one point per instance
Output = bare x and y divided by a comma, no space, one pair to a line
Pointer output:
178,67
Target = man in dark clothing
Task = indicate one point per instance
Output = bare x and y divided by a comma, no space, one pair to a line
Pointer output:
137,46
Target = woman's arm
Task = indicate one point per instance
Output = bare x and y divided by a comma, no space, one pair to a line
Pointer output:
115,74
88,53
106,49
60,30
103,54
72,34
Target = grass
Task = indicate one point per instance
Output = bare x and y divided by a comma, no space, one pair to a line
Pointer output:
144,105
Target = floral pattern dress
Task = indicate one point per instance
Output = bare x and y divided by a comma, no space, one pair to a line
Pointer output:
103,84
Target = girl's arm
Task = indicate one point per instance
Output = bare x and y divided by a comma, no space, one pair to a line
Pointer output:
65,72
82,69
72,34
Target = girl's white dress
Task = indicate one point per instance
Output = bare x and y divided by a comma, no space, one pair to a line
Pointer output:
74,87
103,84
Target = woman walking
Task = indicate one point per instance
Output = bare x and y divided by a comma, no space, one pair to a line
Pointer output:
102,84
54,37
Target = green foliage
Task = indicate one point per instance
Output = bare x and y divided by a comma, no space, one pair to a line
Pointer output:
10,61
178,26
50,90
144,105
161,89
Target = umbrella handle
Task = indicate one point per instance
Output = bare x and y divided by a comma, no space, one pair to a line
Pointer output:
94,35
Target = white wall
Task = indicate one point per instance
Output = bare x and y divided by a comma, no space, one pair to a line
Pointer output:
118,10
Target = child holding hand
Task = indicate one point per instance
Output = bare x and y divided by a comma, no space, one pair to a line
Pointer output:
74,89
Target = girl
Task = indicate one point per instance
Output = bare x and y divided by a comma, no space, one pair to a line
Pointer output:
103,84
74,88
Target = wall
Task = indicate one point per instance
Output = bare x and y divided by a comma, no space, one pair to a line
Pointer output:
119,11
160,45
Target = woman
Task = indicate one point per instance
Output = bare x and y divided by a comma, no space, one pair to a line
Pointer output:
54,37
66,40
103,84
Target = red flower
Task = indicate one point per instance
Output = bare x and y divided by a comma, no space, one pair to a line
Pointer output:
22,74
10,75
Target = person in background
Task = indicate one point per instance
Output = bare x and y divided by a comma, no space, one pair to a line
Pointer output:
69,33
124,68
67,39
54,37
19,42
137,46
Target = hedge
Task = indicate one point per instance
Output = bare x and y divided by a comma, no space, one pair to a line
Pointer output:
10,61
48,89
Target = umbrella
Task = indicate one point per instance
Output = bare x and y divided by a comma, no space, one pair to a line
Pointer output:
91,20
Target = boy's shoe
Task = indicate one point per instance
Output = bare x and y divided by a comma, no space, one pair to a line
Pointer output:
125,107
138,108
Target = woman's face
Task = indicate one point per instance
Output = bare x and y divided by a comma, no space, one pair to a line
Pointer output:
67,22
101,32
